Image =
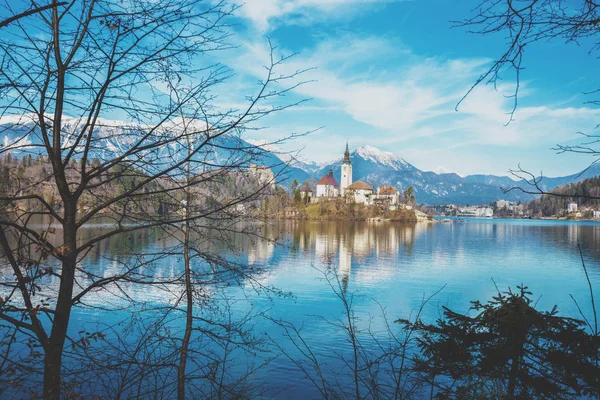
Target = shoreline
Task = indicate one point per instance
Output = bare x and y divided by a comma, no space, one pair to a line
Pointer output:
354,219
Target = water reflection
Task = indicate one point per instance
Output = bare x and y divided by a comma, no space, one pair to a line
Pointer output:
355,247
466,256
396,264
364,253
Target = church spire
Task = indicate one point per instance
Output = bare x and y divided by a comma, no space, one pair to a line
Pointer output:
347,155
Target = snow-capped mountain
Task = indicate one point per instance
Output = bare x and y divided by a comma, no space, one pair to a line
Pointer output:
20,133
385,159
369,163
377,167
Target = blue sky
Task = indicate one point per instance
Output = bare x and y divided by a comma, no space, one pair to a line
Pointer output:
390,73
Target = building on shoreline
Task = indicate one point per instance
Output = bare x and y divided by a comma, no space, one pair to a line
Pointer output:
387,196
306,193
327,186
346,172
357,192
475,211
511,206
291,212
360,192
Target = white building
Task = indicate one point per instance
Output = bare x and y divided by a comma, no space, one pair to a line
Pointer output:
502,203
360,192
571,207
327,186
509,205
485,212
346,172
474,211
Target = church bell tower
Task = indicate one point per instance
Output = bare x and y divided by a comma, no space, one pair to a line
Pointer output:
346,173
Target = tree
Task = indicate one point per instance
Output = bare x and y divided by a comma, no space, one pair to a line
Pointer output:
297,196
90,59
32,11
4,180
523,23
376,364
507,350
409,195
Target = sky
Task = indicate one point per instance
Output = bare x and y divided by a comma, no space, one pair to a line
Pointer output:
390,73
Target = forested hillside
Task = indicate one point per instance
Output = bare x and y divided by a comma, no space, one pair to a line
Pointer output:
585,193
29,175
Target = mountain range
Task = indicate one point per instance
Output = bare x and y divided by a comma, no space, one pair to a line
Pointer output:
377,167
369,164
21,135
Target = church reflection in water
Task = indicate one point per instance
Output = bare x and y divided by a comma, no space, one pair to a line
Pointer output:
362,253
370,248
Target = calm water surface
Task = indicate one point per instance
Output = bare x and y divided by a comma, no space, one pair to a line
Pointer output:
387,265
396,266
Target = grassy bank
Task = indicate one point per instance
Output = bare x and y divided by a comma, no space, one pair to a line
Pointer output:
340,210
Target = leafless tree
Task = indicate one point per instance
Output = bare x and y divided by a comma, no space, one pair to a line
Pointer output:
523,24
33,10
65,70
535,185
526,22
378,366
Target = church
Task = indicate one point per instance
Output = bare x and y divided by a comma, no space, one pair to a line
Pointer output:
358,192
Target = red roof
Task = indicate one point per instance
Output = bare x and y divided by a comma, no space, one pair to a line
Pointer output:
327,180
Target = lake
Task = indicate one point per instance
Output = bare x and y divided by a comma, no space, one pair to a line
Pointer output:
396,266
380,266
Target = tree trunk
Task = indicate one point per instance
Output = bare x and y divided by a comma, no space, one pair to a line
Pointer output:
188,317
517,352
512,381
188,285
52,366
54,351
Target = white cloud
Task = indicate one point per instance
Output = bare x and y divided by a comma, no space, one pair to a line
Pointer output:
364,83
349,74
264,13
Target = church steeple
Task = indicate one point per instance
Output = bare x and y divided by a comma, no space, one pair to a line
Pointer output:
345,171
346,155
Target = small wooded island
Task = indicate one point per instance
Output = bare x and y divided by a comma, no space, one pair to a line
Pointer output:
329,200
342,210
